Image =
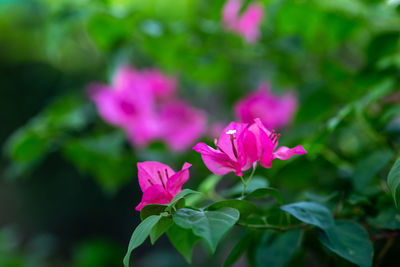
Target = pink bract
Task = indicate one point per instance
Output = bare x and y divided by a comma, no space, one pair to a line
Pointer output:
268,144
161,85
274,111
181,124
236,150
159,183
248,23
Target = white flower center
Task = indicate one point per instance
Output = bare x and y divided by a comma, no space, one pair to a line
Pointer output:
231,132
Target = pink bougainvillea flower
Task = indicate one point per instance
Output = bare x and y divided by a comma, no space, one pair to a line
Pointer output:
274,111
236,150
268,142
144,104
181,124
247,24
161,85
159,182
128,103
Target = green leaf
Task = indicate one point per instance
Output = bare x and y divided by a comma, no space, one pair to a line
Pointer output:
183,240
350,241
238,250
244,207
311,213
393,181
254,184
276,252
210,225
152,209
387,219
367,168
161,227
139,235
181,195
262,192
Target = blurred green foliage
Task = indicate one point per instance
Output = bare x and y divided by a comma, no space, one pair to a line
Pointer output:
342,57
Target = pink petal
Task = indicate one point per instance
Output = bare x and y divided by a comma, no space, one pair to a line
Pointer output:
249,150
154,195
175,182
274,111
266,147
216,161
181,124
107,104
284,152
149,173
143,130
250,21
230,13
161,85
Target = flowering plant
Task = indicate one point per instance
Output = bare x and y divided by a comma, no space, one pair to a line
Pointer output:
163,208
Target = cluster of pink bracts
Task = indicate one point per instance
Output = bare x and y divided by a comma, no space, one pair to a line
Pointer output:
145,105
239,147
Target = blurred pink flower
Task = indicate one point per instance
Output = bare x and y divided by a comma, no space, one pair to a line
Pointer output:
143,103
268,142
274,111
181,124
247,24
159,183
128,103
236,150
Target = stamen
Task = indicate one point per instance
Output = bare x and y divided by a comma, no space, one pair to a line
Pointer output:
231,132
220,149
233,146
166,173
271,133
150,181
159,175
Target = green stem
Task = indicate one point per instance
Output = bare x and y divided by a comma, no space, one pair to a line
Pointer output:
244,190
248,180
252,173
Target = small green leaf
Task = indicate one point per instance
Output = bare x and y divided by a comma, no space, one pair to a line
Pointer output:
238,250
367,168
180,195
262,192
393,181
311,213
276,252
161,227
183,240
139,235
210,225
387,219
244,207
152,209
350,241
